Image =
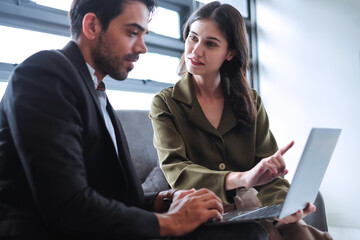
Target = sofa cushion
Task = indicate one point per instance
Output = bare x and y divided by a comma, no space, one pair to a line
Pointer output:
139,135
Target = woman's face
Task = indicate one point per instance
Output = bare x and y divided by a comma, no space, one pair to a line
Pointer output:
205,48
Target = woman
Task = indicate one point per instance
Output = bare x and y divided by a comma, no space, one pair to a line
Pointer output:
210,129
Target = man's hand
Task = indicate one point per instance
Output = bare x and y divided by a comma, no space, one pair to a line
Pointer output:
164,198
189,209
265,171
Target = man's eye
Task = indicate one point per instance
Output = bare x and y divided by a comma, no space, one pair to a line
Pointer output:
134,33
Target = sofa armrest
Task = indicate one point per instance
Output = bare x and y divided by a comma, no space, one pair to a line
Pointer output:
318,218
155,181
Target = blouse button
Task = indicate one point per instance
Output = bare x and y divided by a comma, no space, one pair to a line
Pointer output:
222,166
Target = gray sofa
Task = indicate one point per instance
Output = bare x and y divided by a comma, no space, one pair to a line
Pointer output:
139,134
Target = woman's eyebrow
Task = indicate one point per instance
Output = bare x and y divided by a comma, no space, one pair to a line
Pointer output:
210,38
214,38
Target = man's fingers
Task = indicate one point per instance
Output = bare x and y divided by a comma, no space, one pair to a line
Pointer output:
179,194
286,148
214,214
206,193
213,204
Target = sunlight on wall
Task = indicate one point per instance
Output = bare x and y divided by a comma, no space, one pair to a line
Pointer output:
309,77
270,22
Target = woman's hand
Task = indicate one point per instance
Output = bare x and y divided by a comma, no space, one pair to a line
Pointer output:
265,171
310,208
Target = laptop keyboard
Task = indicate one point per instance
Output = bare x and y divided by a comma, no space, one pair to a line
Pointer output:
261,213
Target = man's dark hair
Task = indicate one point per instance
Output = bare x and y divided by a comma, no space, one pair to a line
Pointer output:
105,10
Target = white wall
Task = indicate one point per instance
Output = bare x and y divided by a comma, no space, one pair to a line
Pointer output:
309,55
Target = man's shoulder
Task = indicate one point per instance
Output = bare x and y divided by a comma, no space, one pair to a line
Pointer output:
47,59
47,67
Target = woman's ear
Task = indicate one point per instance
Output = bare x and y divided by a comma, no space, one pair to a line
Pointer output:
91,26
230,55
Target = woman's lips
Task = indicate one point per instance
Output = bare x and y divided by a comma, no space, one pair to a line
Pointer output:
196,62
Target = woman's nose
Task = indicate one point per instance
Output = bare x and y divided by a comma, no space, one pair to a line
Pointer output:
197,50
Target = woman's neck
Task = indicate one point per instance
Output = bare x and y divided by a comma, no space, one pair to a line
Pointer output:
208,87
210,97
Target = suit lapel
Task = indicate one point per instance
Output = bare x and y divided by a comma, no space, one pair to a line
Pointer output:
131,181
72,52
124,154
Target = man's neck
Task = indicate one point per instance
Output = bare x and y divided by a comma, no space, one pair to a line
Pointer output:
86,52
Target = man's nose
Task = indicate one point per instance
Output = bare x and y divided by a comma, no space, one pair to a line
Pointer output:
140,46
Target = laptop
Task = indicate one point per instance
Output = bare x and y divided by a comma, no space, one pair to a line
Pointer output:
305,184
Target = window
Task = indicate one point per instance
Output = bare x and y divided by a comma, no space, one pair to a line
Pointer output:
29,26
166,22
18,44
241,5
154,66
62,5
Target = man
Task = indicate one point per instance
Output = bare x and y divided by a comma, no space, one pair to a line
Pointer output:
65,168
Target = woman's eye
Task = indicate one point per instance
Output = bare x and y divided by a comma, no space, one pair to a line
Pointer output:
211,44
193,38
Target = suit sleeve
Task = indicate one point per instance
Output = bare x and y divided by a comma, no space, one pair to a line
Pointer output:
44,112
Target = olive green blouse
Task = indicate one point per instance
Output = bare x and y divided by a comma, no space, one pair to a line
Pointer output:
193,154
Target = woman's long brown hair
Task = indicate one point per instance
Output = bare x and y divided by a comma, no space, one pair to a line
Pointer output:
233,73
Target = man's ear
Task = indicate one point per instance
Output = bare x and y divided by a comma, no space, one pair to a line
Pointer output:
91,26
230,55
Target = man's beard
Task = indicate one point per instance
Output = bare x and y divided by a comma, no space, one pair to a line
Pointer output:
108,63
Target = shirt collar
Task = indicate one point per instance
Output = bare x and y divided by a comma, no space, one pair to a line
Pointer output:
92,74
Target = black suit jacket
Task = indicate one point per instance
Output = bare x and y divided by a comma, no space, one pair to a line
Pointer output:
60,175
